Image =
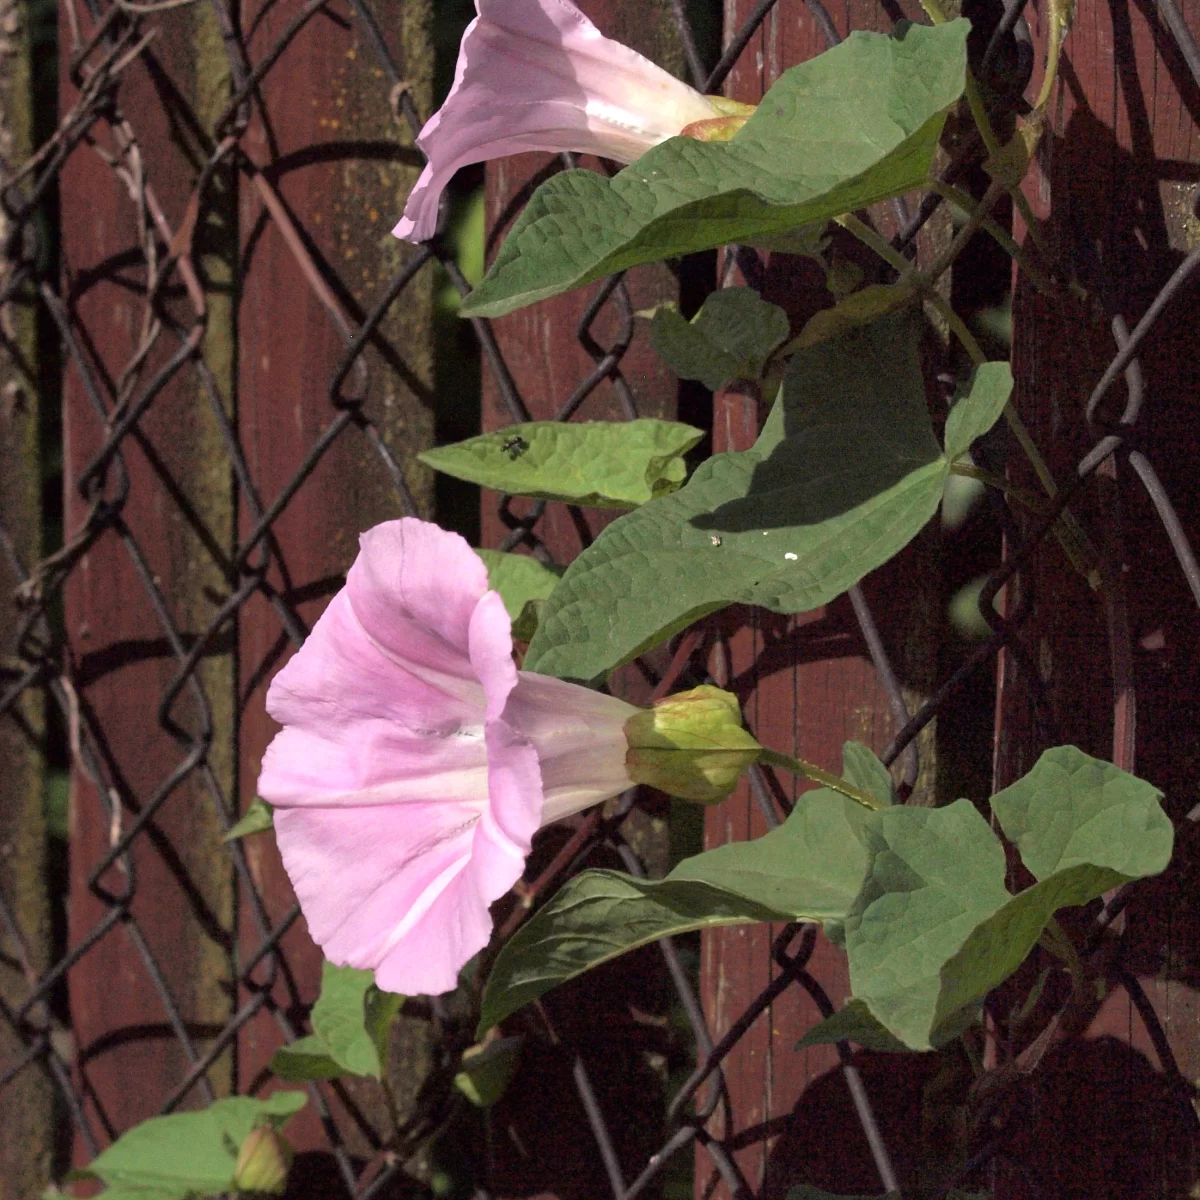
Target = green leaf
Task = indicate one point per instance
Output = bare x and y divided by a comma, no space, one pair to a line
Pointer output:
861,768
809,241
600,464
1072,809
812,866
487,1070
858,308
598,916
523,583
192,1152
976,412
731,337
935,875
934,928
845,473
382,1009
258,818
134,1193
351,1018
854,1023
857,124
304,1060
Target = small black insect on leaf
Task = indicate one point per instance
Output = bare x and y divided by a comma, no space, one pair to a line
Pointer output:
515,446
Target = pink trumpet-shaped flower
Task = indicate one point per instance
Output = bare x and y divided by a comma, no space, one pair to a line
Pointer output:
538,75
416,762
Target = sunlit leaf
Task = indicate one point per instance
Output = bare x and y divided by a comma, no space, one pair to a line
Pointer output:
599,464
862,768
1072,809
191,1152
351,1019
258,818
935,928
810,868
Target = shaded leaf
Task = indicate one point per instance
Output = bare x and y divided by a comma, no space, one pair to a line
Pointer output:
487,1070
193,1152
810,868
845,473
595,917
304,1060
855,125
858,308
600,464
731,337
382,1009
258,818
351,1019
853,1023
979,409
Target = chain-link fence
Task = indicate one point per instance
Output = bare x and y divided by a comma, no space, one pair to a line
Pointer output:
120,482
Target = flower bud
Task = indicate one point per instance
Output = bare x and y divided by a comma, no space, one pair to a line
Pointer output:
691,745
263,1162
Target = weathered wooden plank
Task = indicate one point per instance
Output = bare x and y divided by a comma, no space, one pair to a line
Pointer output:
1114,192
341,166
27,1133
177,524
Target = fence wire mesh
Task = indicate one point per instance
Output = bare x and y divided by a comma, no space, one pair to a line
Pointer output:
106,40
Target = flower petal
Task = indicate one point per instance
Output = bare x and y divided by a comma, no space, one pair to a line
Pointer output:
414,588
491,652
457,925
367,876
359,725
538,75
514,812
579,735
405,889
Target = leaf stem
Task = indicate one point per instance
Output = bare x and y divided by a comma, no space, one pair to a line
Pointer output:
1056,941
969,471
1002,237
878,243
800,766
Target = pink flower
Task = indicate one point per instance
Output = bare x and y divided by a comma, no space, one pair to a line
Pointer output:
538,75
416,762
